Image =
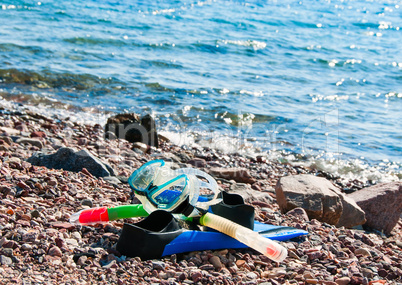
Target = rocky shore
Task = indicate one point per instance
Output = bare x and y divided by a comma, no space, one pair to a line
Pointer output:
39,193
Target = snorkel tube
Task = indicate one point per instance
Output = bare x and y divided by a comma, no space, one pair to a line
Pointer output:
267,247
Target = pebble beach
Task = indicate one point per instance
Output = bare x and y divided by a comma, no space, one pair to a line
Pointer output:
38,245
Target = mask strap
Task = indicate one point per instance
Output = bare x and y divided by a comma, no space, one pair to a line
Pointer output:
211,184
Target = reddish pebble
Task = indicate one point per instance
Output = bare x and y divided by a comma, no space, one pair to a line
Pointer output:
86,172
66,226
38,134
55,251
23,185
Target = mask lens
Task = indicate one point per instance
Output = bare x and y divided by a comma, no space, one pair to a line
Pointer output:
143,176
170,194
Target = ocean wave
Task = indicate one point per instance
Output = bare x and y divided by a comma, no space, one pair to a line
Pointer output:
256,45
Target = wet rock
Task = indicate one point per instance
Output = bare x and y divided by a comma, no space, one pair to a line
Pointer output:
382,204
319,198
68,159
133,128
33,142
237,174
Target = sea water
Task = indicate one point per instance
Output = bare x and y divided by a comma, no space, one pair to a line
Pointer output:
314,82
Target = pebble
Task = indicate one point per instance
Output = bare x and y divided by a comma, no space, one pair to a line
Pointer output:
87,202
158,265
196,276
5,260
216,262
32,223
342,281
55,251
251,276
363,252
81,260
26,246
33,142
35,213
66,226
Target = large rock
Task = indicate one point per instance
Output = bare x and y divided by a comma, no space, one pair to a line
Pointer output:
319,198
237,174
382,204
68,159
133,128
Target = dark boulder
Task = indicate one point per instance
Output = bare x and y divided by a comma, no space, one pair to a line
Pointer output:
133,128
71,160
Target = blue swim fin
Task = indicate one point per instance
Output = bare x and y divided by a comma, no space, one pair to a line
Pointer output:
160,234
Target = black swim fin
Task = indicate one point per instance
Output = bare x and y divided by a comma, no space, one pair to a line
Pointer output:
160,234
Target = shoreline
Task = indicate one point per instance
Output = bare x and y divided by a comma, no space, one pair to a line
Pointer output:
363,172
38,245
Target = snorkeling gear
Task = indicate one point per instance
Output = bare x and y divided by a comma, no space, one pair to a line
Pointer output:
160,234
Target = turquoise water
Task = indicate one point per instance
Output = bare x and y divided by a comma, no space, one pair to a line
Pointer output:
309,77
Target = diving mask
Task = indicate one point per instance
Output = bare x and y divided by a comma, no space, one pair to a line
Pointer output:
158,186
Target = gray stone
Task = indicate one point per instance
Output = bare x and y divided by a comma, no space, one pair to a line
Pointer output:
382,204
68,159
35,213
8,252
319,198
4,260
158,265
112,180
86,202
33,142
